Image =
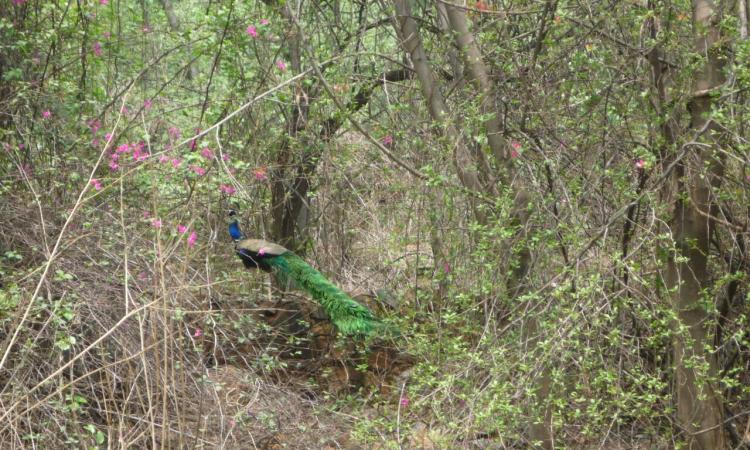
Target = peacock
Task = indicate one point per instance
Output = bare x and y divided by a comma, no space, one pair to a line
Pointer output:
346,314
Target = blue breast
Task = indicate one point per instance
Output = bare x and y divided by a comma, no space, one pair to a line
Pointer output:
234,230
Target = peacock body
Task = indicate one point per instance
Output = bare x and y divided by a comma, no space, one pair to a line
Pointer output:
346,314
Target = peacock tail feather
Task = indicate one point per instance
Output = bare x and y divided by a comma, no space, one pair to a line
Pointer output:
349,316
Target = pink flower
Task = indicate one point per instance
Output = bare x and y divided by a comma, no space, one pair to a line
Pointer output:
404,401
97,48
446,268
252,31
123,148
174,133
19,2
94,125
261,252
387,140
124,109
640,164
108,137
194,142
516,145
192,238
96,183
198,170
156,223
514,153
181,229
147,104
264,21
176,162
163,159
281,65
103,2
198,333
227,189
260,174
146,214
225,157
113,165
46,114
207,153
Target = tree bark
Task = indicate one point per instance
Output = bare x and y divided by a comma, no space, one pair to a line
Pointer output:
174,25
466,166
698,399
471,171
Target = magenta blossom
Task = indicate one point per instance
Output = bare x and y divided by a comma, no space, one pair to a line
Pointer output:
207,153
113,165
194,142
19,2
281,65
156,223
264,21
387,140
192,239
227,189
94,125
47,114
123,148
96,183
261,252
146,214
404,401
174,133
97,47
252,31
260,174
147,104
198,170
103,2
198,333
176,162
225,157
182,229
640,164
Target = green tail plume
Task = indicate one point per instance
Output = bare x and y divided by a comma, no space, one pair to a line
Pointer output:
346,314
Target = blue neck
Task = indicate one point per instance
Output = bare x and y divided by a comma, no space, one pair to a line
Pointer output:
234,230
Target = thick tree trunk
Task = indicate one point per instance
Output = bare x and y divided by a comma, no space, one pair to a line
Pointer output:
699,404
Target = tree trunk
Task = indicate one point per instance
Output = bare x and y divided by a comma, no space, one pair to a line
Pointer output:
174,25
466,166
699,404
